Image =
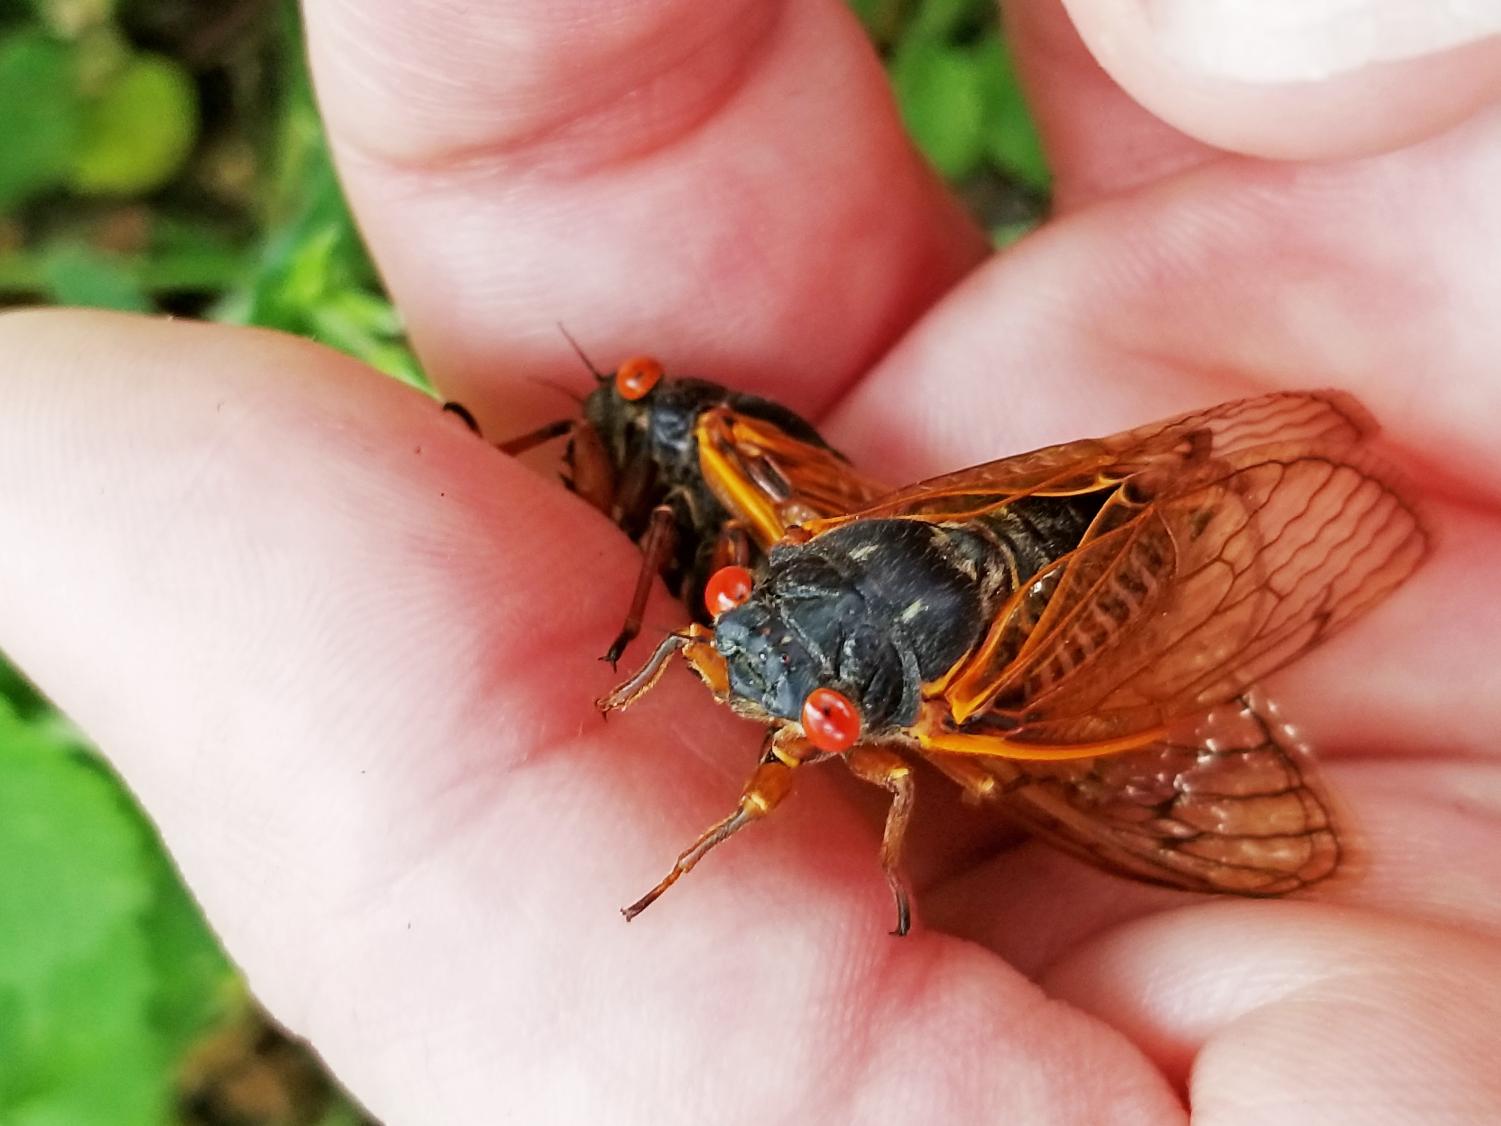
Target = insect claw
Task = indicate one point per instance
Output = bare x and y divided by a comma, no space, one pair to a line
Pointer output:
644,902
685,863
903,915
616,650
465,415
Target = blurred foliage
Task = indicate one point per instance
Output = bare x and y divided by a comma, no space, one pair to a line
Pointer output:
97,937
166,156
962,103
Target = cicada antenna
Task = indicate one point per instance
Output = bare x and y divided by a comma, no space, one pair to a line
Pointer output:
594,371
566,392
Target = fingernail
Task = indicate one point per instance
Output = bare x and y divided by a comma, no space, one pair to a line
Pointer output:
1277,41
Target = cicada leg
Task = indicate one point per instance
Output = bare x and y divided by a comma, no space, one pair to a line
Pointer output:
696,643
590,471
766,788
657,547
631,491
465,415
978,784
522,442
884,767
732,547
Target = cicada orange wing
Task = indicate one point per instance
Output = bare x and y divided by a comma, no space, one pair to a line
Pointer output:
1328,420
1231,540
1111,697
771,480
1193,600
1106,694
1229,802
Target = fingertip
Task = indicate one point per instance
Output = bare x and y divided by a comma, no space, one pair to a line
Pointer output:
1316,81
213,499
1099,140
729,186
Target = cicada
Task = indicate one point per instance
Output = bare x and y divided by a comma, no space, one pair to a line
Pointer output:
1075,635
704,478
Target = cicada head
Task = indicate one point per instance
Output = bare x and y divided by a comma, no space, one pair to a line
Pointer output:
642,423
802,649
870,611
619,409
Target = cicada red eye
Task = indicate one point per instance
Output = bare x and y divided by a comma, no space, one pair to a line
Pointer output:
830,721
727,588
636,377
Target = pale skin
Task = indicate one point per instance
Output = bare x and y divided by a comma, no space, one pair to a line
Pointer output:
344,652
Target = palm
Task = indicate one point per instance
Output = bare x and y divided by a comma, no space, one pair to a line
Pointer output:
387,784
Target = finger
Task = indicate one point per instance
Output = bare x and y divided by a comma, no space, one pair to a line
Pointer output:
342,651
1300,81
1299,1013
1098,139
726,183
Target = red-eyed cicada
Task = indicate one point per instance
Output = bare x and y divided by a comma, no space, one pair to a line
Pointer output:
704,478
1075,635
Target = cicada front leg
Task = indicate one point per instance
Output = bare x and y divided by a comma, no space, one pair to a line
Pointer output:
765,790
522,442
881,766
731,547
513,446
696,644
657,547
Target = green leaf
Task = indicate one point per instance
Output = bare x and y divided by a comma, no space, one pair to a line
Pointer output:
12,1043
195,986
139,130
342,1112
75,975
41,114
74,865
368,328
953,21
1005,234
1009,134
72,18
882,19
78,275
939,88
22,696
89,1054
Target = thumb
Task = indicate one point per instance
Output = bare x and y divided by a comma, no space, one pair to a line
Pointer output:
1300,79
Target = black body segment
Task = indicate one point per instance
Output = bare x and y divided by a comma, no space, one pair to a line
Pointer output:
878,608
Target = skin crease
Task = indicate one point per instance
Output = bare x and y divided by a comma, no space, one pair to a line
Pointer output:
343,652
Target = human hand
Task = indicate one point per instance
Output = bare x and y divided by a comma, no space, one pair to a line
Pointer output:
343,652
